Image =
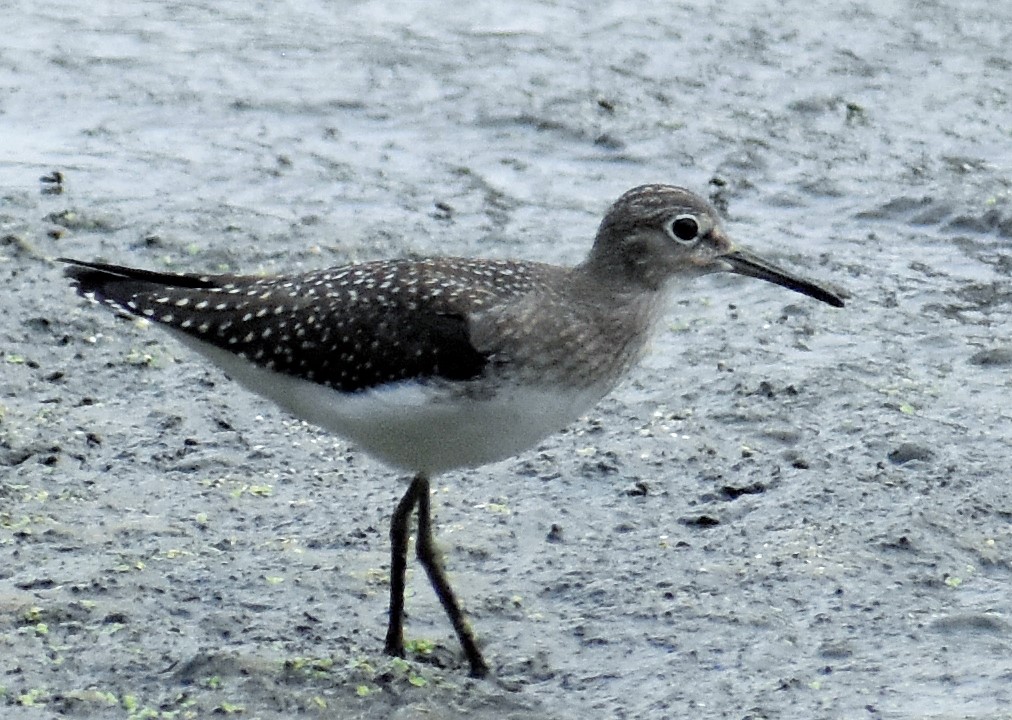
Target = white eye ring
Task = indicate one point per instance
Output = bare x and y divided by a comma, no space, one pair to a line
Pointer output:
683,229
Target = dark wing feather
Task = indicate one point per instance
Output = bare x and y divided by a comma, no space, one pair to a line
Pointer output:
330,327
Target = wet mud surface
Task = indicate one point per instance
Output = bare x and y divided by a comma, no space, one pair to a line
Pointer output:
787,511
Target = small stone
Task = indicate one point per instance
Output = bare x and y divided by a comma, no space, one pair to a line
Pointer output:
993,357
910,451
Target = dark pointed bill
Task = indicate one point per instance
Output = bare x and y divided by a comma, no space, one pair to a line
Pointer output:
745,263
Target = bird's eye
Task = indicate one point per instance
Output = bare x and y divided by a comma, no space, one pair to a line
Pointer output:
684,229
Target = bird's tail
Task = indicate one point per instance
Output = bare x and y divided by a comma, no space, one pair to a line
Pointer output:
105,280
117,285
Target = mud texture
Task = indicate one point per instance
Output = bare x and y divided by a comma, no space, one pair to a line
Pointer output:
788,511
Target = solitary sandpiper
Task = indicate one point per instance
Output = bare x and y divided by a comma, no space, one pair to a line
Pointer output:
443,363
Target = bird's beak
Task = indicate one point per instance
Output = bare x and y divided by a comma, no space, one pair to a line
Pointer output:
743,262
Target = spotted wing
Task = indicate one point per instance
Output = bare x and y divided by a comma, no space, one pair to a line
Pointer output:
351,328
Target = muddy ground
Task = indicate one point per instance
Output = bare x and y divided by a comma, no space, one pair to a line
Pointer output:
789,511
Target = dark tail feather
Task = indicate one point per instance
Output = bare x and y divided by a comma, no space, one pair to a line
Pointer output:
95,278
117,285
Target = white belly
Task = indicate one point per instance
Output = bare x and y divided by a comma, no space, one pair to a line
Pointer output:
418,428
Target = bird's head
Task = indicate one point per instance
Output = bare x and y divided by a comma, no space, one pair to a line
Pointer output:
654,234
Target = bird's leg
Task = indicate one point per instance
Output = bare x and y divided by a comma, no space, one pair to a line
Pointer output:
400,528
428,556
